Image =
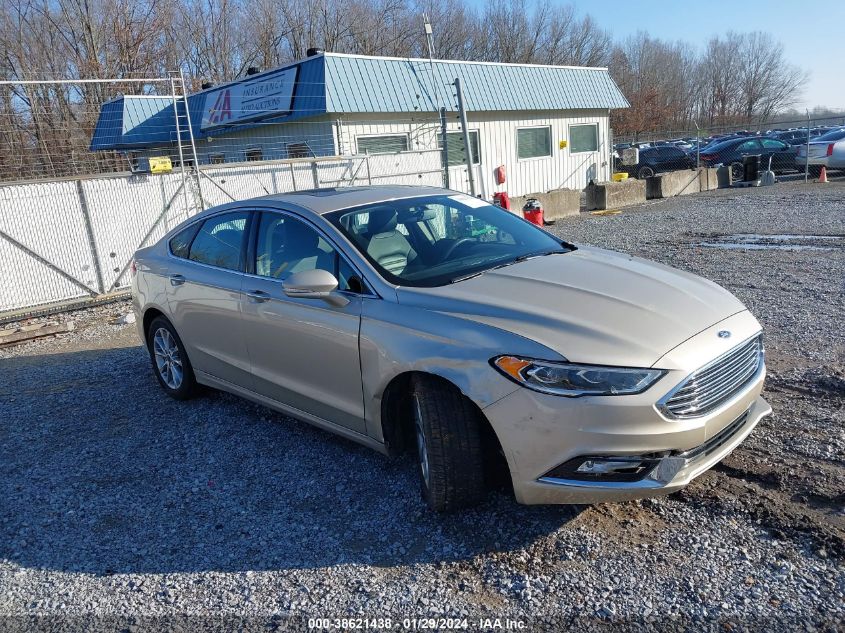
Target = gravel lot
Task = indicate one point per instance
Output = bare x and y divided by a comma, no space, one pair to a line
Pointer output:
120,503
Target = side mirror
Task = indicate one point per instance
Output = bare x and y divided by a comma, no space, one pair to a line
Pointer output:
314,284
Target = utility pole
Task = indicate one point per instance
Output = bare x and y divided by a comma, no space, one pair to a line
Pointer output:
807,157
467,146
445,141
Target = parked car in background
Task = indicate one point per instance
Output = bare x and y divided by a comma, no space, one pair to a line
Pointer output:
426,320
658,159
797,137
825,150
732,151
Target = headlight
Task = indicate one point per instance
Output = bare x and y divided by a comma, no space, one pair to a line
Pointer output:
567,379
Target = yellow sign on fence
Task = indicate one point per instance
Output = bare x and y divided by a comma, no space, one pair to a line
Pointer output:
160,164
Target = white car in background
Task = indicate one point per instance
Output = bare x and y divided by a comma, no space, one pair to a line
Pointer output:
827,150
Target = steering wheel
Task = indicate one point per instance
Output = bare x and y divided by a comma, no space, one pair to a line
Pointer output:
455,245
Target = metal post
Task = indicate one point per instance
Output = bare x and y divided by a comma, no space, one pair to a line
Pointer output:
92,242
697,146
807,157
467,146
445,138
179,143
316,174
191,135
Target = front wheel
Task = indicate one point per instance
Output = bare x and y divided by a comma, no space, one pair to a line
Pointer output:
170,361
449,446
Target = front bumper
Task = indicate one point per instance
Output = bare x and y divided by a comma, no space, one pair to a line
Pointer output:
539,432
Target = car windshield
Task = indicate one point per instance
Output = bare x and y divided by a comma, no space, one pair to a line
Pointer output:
436,240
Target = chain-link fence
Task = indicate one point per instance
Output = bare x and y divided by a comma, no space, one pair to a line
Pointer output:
92,170
780,145
75,203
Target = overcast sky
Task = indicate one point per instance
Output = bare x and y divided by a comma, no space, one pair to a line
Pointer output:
810,31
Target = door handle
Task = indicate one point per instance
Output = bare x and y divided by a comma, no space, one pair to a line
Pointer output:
177,280
259,296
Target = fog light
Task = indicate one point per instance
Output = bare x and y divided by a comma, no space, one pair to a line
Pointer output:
590,468
601,466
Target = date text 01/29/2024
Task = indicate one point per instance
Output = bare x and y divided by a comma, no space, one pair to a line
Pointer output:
416,624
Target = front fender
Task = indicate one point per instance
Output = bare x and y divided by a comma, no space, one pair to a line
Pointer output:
396,339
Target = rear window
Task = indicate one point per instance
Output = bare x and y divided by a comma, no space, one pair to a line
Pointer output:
181,242
220,241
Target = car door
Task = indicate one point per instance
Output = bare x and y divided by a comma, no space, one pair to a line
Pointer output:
304,352
204,295
747,148
782,154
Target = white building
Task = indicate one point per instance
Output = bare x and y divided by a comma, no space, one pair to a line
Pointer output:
547,126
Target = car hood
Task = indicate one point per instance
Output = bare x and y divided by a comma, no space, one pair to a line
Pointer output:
589,306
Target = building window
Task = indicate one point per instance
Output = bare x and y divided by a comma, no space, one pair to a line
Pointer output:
456,153
253,154
388,144
216,159
298,150
583,138
533,142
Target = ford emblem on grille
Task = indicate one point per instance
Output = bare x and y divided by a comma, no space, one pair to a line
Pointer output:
723,334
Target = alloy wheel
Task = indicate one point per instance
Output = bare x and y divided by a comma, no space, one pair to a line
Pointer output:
167,357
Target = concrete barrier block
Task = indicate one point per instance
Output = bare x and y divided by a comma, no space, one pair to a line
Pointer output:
673,183
709,178
557,204
612,195
724,178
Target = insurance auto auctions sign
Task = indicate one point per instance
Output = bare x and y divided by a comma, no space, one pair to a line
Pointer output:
268,95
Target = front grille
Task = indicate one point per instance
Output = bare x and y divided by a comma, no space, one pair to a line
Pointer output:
717,441
715,383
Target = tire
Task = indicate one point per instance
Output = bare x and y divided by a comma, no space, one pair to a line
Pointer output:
737,171
645,172
449,446
170,361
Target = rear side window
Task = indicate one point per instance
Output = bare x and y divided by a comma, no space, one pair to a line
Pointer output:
220,241
181,242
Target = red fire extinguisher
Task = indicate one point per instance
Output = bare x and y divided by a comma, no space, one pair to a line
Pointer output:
533,211
499,173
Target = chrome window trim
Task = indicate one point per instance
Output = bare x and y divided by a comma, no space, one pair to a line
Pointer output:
661,405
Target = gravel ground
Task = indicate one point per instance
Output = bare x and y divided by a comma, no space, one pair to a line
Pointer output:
217,514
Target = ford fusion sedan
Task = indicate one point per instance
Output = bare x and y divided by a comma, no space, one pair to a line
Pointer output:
421,320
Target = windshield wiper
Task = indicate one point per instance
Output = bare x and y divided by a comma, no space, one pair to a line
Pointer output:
515,260
465,277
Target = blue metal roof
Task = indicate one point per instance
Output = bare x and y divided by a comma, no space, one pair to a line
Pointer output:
135,121
385,84
335,83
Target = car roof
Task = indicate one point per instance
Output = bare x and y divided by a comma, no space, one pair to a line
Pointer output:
322,201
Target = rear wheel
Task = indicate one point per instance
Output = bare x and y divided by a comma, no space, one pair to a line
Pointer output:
645,172
737,171
449,446
170,361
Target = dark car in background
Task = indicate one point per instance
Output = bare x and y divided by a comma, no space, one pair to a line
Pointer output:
732,151
797,137
658,159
